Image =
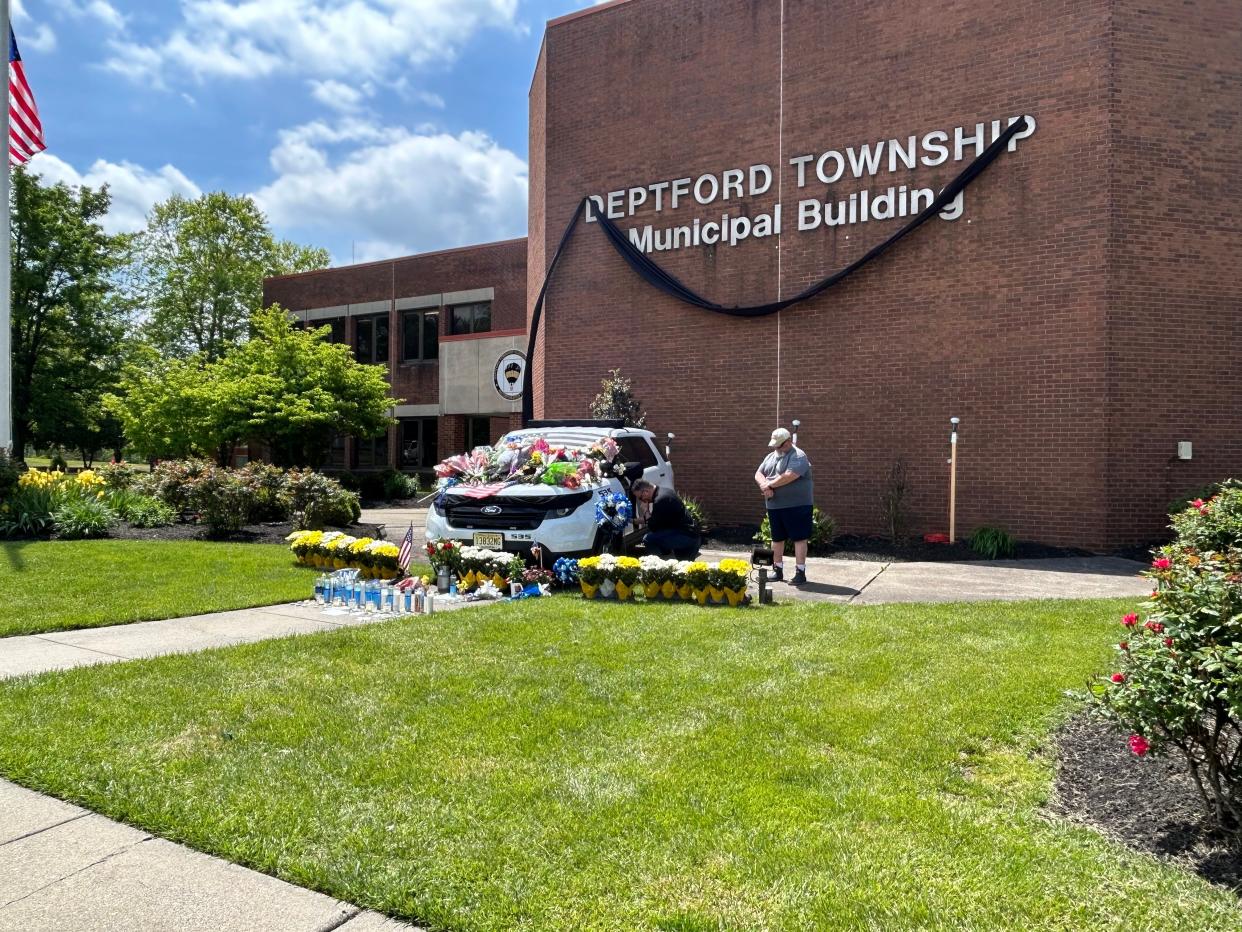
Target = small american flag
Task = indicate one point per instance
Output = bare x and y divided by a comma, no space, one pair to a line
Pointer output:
407,549
480,491
25,129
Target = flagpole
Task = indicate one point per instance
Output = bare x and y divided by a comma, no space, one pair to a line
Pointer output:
6,289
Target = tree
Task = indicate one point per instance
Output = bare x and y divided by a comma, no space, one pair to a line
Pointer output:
287,388
201,265
617,401
67,324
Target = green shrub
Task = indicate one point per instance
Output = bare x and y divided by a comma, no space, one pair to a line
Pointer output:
57,461
317,501
82,518
141,510
698,514
993,543
1178,685
9,474
268,490
823,530
222,501
1201,493
174,482
117,475
399,485
27,512
348,480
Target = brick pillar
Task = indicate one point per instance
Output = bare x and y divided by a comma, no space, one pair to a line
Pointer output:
452,435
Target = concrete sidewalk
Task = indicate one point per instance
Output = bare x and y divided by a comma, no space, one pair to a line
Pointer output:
860,582
60,650
65,869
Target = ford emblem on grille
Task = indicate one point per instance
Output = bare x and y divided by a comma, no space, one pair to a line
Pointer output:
491,509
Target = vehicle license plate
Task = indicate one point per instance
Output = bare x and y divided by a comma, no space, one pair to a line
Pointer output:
489,540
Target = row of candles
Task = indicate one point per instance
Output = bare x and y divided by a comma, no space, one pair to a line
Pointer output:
367,595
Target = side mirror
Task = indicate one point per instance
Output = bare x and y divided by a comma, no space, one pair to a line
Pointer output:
633,471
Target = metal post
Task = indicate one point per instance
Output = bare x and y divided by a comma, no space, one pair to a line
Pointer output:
6,291
953,422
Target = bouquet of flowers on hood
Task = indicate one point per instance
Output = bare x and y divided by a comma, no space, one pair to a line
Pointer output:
533,460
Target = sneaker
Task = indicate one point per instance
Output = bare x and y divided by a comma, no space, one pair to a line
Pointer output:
799,578
778,574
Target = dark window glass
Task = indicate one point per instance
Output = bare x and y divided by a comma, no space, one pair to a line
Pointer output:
336,453
431,335
637,450
371,452
471,318
338,329
478,432
420,335
419,442
371,340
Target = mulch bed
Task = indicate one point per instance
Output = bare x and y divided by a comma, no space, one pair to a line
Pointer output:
1147,803
267,533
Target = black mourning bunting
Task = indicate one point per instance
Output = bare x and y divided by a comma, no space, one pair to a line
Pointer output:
657,277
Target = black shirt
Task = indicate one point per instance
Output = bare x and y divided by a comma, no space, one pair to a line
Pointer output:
668,513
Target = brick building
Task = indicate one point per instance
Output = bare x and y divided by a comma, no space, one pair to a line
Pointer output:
1078,310
439,321
1081,314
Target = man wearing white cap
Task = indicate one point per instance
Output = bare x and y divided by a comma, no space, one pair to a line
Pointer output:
784,478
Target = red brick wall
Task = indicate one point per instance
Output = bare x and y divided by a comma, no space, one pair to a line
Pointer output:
1175,315
1036,317
501,266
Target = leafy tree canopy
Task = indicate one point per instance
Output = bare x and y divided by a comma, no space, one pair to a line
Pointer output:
68,326
288,389
200,270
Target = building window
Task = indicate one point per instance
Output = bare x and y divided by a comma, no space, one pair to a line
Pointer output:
371,340
336,453
420,336
478,432
470,318
371,452
420,440
336,323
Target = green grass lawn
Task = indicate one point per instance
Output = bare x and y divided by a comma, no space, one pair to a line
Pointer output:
57,585
557,764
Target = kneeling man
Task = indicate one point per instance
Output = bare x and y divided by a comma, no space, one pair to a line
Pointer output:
670,532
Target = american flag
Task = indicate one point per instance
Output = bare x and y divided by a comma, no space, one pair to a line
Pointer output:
407,549
25,130
486,490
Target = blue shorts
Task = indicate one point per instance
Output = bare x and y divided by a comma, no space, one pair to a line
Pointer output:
791,523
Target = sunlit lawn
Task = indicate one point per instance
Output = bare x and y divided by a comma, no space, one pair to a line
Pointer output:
56,585
556,764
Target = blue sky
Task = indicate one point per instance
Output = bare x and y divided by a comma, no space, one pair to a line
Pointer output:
371,127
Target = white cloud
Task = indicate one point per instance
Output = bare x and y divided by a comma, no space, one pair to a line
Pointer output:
430,99
397,191
340,96
323,39
134,189
101,11
39,39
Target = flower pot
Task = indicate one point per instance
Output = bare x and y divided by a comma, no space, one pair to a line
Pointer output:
467,581
684,592
716,594
588,591
624,592
668,589
607,589
651,590
499,582
735,596
338,563
442,579
700,596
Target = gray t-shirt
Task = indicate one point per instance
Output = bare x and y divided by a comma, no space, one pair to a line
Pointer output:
799,492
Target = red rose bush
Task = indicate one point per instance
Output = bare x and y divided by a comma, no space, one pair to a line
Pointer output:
1177,688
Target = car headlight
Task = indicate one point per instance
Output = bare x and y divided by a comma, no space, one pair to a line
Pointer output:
562,512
